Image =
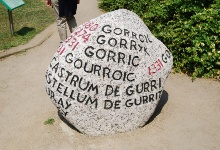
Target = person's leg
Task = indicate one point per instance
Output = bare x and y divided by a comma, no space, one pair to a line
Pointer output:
61,22
71,21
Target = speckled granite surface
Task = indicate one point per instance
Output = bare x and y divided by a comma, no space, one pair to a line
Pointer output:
108,76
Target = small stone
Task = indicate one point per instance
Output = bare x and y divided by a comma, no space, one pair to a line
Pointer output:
108,76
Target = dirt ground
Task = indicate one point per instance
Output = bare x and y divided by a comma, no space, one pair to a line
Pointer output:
187,117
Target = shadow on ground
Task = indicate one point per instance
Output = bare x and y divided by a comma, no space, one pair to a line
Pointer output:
67,123
162,102
23,31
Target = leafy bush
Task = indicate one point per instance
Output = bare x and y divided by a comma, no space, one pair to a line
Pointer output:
190,29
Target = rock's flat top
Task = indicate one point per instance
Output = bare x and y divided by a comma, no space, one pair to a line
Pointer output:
108,76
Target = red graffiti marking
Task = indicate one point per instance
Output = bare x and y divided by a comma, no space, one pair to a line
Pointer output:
154,68
81,33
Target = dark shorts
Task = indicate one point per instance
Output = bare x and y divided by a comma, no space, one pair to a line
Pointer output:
67,8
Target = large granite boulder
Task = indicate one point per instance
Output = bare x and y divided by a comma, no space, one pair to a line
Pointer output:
108,76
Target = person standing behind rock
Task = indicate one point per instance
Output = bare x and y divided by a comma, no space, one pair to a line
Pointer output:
64,11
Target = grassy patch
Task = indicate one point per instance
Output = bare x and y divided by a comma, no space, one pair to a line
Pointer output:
49,121
29,20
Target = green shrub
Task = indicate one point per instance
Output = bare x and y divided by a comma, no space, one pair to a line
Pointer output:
190,29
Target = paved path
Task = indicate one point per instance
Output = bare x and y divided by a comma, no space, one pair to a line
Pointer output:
188,116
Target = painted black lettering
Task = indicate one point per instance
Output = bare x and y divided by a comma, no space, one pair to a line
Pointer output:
88,51
54,59
100,39
141,38
55,81
137,101
81,84
123,43
55,67
151,97
108,104
129,90
146,87
111,55
97,69
117,75
124,76
130,79
59,87
78,63
67,105
88,70
134,35
106,71
74,80
68,75
121,57
153,85
60,74
69,57
93,88
128,103
60,102
117,104
126,32
106,29
139,88
52,95
117,31
116,91
108,90
145,50
133,60
81,100
112,42
145,98
101,53
65,92
133,45
71,95
89,100
48,79
140,47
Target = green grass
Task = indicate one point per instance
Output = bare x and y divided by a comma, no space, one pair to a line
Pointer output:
29,20
49,121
